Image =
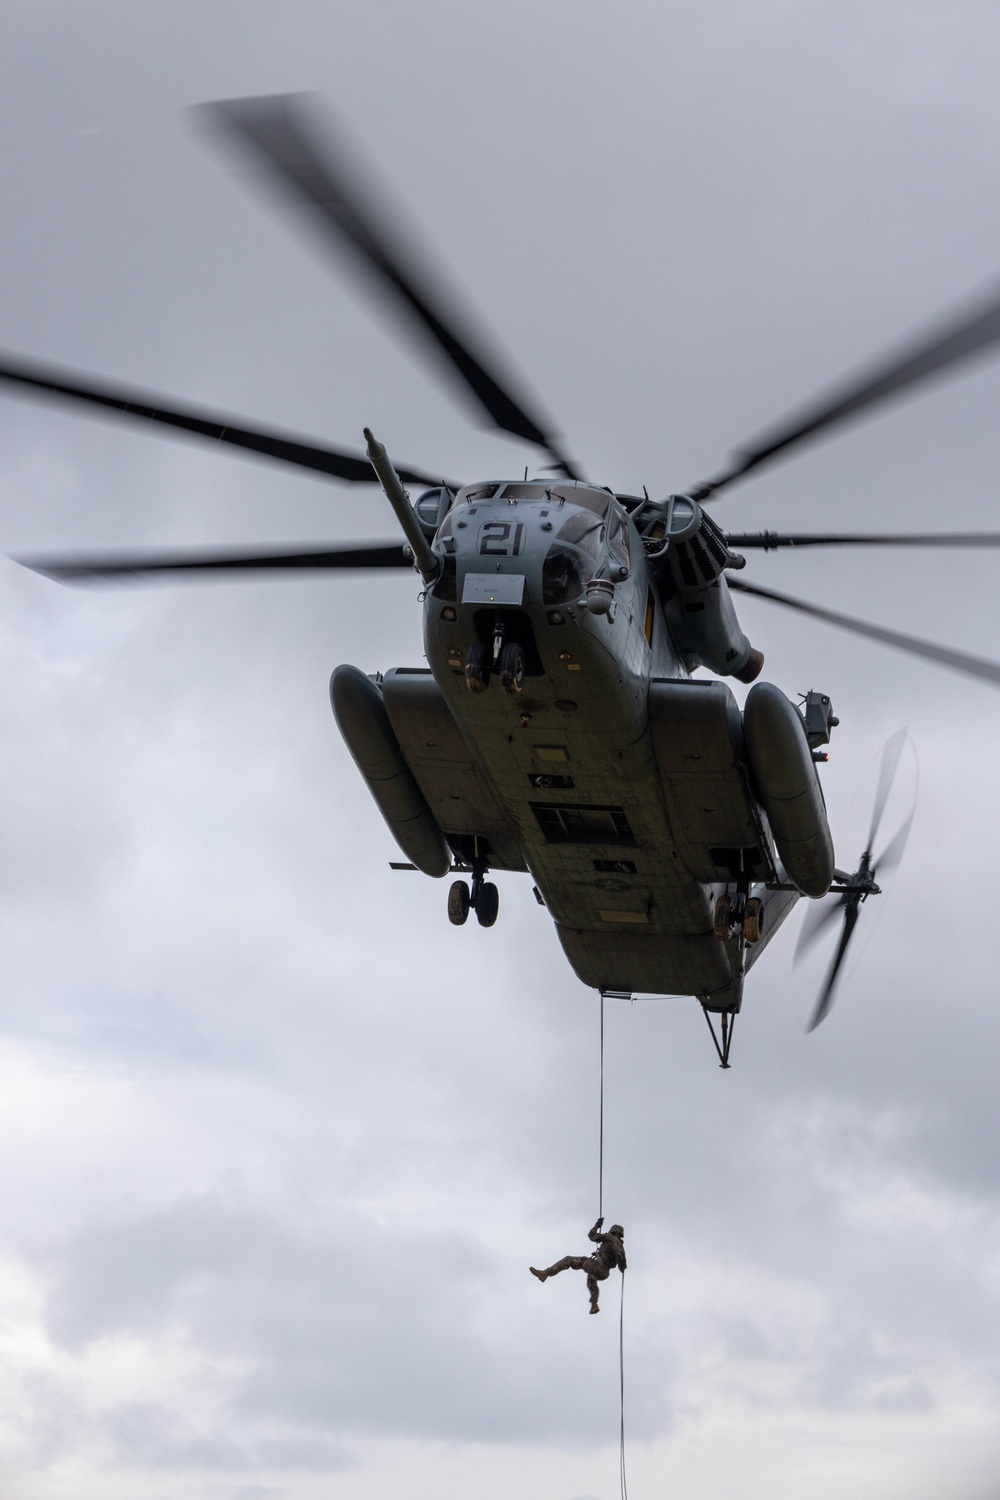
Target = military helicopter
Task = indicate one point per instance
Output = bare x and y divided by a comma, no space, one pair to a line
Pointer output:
557,729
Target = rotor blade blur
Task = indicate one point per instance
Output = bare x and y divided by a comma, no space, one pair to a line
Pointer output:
137,566
282,133
825,1001
34,380
770,541
944,656
891,752
818,917
894,849
954,340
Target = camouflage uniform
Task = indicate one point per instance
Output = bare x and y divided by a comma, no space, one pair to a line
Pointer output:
610,1253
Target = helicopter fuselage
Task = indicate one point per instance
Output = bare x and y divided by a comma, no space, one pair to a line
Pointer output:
585,753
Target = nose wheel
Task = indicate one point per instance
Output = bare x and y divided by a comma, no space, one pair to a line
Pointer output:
478,669
511,667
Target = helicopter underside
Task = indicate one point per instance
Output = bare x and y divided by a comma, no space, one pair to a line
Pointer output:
630,842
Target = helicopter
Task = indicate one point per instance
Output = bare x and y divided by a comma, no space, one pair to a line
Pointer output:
558,729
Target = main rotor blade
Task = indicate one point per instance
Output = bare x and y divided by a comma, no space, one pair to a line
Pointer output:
825,1001
770,541
281,133
959,661
954,340
136,566
892,750
26,378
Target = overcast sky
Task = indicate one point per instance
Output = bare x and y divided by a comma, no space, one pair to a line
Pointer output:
278,1143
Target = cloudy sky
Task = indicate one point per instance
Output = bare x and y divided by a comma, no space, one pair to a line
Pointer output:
277,1144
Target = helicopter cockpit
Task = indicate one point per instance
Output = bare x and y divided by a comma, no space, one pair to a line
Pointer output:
590,532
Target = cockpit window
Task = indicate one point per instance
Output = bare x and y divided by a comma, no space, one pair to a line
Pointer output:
582,494
474,492
524,491
618,538
583,530
565,493
572,558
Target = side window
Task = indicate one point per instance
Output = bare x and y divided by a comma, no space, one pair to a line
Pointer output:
618,538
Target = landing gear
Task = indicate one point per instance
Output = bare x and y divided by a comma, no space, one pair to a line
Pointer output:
483,899
479,666
459,901
739,917
511,667
497,655
487,904
753,920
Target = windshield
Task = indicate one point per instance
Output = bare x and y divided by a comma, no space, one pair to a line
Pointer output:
572,559
566,493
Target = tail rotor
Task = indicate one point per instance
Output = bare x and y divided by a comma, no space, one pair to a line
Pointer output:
850,891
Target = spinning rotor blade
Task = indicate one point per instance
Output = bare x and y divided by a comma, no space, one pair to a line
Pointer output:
894,849
30,379
959,661
280,132
818,917
825,1001
891,752
770,541
136,566
956,340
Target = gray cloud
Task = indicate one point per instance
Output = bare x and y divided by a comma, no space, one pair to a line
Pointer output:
261,1104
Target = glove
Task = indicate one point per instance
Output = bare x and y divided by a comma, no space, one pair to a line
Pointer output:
599,1222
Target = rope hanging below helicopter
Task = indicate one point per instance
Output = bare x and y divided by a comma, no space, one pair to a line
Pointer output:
622,1476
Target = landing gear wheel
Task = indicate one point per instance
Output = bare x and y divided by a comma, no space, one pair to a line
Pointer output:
511,667
723,918
487,904
478,666
459,901
753,920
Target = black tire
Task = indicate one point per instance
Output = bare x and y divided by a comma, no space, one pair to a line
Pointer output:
511,667
478,666
723,918
487,904
459,901
753,920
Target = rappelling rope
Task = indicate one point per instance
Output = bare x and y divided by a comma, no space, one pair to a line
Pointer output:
621,1393
600,1148
623,1482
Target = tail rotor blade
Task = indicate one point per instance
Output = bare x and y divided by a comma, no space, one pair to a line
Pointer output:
894,849
825,1002
819,915
891,752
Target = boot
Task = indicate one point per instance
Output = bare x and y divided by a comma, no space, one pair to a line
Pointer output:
594,1307
542,1275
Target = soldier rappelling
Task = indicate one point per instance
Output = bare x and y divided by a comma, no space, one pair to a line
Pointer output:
610,1253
